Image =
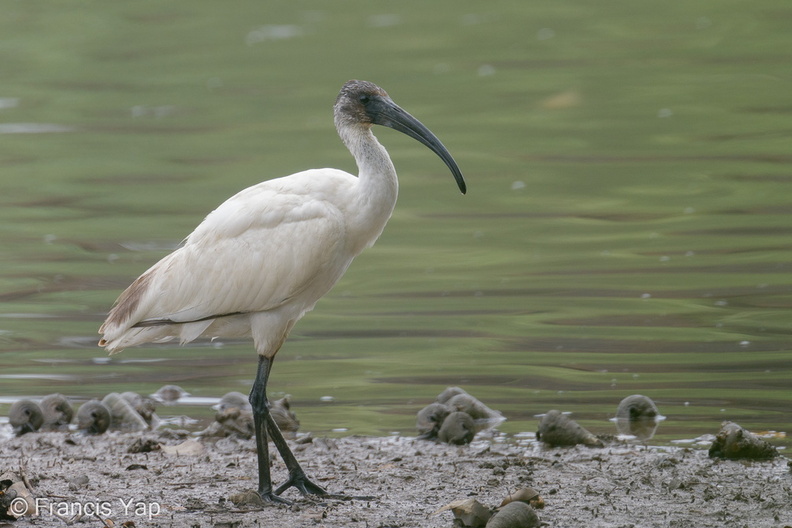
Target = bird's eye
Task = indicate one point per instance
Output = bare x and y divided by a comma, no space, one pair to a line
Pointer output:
365,98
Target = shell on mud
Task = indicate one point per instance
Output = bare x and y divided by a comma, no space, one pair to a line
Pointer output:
233,399
124,415
527,495
468,513
15,498
557,429
442,420
449,393
514,515
637,407
235,419
169,394
430,419
232,421
145,407
58,412
637,416
282,414
483,416
93,417
458,428
734,442
25,416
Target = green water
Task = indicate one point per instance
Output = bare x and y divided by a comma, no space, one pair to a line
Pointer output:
626,230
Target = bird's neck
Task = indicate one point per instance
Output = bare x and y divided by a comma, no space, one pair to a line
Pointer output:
378,186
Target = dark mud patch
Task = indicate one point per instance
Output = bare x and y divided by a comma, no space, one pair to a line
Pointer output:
400,482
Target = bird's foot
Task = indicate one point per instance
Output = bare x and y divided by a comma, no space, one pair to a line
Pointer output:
303,485
306,487
268,497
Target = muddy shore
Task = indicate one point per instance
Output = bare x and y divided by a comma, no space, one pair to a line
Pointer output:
400,481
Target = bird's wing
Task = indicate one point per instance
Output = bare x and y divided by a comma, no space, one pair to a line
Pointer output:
257,251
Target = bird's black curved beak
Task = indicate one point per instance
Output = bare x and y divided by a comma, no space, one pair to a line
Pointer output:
383,111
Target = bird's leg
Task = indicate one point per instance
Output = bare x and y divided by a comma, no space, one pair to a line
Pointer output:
260,405
265,424
297,476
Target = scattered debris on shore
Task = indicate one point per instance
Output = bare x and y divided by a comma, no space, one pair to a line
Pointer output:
116,457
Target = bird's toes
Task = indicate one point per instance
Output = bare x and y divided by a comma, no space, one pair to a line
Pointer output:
303,485
272,498
307,487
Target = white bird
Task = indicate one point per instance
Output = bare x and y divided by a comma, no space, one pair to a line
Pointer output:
264,257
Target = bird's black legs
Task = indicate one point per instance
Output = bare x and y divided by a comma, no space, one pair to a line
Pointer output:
264,424
258,400
297,476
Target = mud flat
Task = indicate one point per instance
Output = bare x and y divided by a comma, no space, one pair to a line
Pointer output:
398,482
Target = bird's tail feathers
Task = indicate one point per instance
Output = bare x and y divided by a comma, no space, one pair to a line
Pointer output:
114,341
134,336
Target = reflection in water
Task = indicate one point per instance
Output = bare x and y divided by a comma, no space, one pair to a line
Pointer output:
642,429
51,377
33,128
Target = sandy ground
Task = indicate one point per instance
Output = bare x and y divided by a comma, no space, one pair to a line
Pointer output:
406,479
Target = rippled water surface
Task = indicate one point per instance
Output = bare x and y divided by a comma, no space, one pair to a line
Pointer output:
627,227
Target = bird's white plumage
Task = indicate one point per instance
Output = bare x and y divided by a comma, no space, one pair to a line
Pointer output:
274,248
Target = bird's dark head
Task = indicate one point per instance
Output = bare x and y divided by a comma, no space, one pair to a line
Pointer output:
362,104
356,102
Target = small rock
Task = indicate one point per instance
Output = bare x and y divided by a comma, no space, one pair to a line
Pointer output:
246,498
79,482
144,445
